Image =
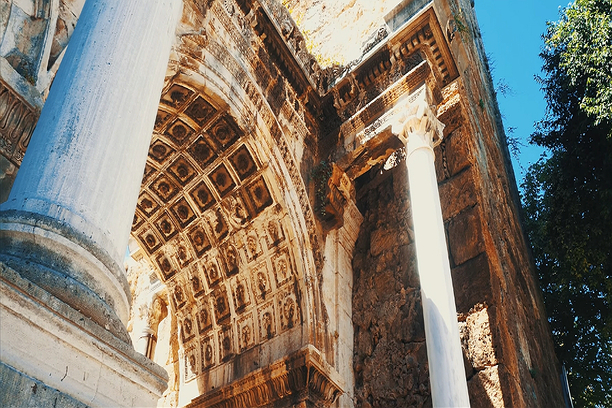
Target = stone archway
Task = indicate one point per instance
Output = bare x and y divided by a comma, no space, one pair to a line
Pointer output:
221,220
260,311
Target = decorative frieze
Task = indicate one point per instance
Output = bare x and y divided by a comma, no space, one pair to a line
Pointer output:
300,377
17,122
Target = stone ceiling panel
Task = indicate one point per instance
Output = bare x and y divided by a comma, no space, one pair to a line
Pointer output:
209,221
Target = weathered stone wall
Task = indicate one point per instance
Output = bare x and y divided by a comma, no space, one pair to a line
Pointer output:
525,362
390,358
19,390
232,64
390,354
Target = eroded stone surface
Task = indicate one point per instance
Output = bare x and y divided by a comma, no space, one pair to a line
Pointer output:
390,357
484,389
331,29
227,212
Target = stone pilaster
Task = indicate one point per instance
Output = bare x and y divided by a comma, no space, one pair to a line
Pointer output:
338,279
65,226
420,130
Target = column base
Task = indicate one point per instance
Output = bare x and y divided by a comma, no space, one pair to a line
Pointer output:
68,264
49,341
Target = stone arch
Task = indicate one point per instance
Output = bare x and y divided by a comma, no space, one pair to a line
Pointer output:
224,222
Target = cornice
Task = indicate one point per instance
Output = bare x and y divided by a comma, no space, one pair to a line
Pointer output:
302,376
336,93
419,39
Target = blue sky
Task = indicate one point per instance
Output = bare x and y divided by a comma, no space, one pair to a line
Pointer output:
511,31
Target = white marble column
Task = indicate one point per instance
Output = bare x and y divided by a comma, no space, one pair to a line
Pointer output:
72,203
151,314
421,131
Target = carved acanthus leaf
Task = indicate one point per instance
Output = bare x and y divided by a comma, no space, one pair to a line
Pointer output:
416,124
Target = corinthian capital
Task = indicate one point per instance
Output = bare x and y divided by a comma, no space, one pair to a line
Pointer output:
416,124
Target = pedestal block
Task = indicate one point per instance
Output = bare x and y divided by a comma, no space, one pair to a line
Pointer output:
46,341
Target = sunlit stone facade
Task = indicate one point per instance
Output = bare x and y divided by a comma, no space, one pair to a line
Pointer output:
259,155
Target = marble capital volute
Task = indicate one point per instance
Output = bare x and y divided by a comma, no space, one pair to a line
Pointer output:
416,124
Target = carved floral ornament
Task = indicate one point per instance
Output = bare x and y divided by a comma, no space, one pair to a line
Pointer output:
208,217
416,124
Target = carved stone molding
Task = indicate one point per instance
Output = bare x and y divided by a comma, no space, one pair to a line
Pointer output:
349,88
339,191
298,378
366,139
17,122
417,125
403,51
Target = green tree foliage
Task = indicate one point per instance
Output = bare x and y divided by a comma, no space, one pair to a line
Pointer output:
583,40
567,197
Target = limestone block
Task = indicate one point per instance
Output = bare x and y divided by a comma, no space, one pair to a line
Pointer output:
440,161
382,239
5,13
411,311
472,283
23,40
44,338
19,390
485,390
407,267
457,193
458,151
477,339
69,11
465,236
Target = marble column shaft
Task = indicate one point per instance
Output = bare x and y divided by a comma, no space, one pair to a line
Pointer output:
72,203
420,130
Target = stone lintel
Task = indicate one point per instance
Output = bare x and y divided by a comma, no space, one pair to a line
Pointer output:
302,377
366,139
371,153
45,338
374,143
420,37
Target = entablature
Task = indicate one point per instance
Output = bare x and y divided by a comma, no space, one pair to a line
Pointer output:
332,95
